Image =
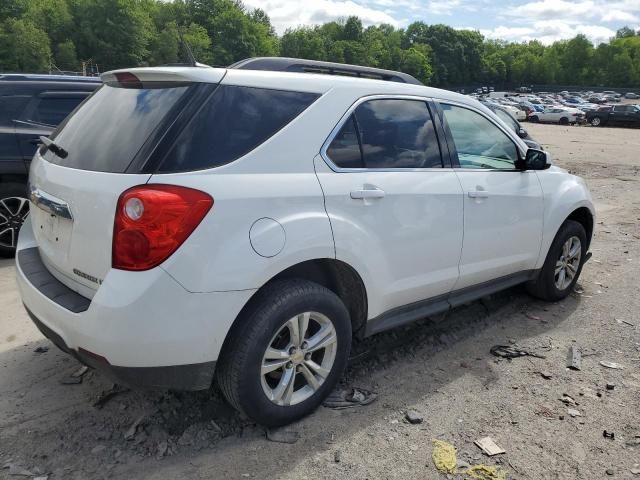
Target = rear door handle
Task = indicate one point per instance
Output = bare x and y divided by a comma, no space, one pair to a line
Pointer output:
479,194
367,193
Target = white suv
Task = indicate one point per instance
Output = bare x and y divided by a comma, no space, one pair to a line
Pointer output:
187,221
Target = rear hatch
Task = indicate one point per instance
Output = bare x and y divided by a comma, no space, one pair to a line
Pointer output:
102,149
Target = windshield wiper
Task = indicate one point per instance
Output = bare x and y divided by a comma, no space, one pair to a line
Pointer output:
56,149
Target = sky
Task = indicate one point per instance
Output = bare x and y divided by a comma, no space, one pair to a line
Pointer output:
513,20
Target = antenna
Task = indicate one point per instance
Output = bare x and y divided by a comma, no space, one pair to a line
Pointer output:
187,48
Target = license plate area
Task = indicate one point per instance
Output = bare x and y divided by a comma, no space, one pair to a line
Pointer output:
53,234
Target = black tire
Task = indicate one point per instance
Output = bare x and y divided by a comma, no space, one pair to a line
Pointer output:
544,287
245,346
534,119
9,192
596,121
564,121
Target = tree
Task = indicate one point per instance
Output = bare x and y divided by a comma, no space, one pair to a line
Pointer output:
114,33
416,63
352,31
23,47
625,32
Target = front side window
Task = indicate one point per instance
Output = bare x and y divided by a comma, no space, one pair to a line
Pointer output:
478,141
387,134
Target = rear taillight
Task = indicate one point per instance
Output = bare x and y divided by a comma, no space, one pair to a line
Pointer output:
152,221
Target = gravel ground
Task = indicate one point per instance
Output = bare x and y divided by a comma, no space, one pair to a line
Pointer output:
440,368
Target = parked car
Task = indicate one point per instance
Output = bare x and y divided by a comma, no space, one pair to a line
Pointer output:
561,115
631,96
505,114
249,223
30,106
628,115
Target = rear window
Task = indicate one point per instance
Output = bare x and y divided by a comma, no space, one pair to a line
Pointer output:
108,130
11,107
233,121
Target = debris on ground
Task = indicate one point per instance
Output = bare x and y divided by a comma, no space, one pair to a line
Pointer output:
42,349
608,364
626,322
97,449
611,386
76,377
163,448
567,399
485,472
510,351
573,412
445,460
133,429
574,358
349,398
610,471
413,417
610,435
17,470
488,446
636,469
531,316
444,456
107,395
546,375
282,435
337,456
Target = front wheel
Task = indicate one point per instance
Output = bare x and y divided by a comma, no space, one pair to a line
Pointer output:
287,353
596,122
534,119
563,264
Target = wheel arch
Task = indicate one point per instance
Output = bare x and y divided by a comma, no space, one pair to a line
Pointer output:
335,275
583,216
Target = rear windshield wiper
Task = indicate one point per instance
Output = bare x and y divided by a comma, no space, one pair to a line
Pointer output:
51,146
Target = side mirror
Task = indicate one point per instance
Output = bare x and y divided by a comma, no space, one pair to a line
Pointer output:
534,160
522,133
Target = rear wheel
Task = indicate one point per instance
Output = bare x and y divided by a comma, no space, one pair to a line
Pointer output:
564,121
14,208
287,352
596,122
563,264
534,119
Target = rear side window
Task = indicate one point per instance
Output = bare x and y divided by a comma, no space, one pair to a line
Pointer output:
233,121
393,133
106,132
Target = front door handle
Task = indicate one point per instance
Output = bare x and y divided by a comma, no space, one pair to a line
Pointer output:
479,194
367,193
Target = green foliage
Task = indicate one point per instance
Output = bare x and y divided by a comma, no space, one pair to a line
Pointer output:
36,35
23,47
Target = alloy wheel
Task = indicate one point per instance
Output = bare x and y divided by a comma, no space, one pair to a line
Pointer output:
299,358
595,121
568,264
13,212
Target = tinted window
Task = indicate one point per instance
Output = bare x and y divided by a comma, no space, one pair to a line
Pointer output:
107,131
397,134
479,142
11,107
344,150
52,110
234,121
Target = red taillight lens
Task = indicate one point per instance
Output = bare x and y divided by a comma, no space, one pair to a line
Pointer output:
128,79
152,221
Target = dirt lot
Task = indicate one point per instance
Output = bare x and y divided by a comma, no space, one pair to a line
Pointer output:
441,368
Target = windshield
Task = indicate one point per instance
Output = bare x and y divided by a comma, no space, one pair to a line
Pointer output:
106,132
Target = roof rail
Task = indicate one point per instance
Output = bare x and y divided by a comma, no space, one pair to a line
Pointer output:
284,64
30,77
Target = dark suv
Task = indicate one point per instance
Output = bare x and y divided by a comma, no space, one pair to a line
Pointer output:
30,106
628,115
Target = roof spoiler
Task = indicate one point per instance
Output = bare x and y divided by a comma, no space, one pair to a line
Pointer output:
284,64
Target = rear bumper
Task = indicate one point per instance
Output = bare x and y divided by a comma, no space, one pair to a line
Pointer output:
140,328
179,377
